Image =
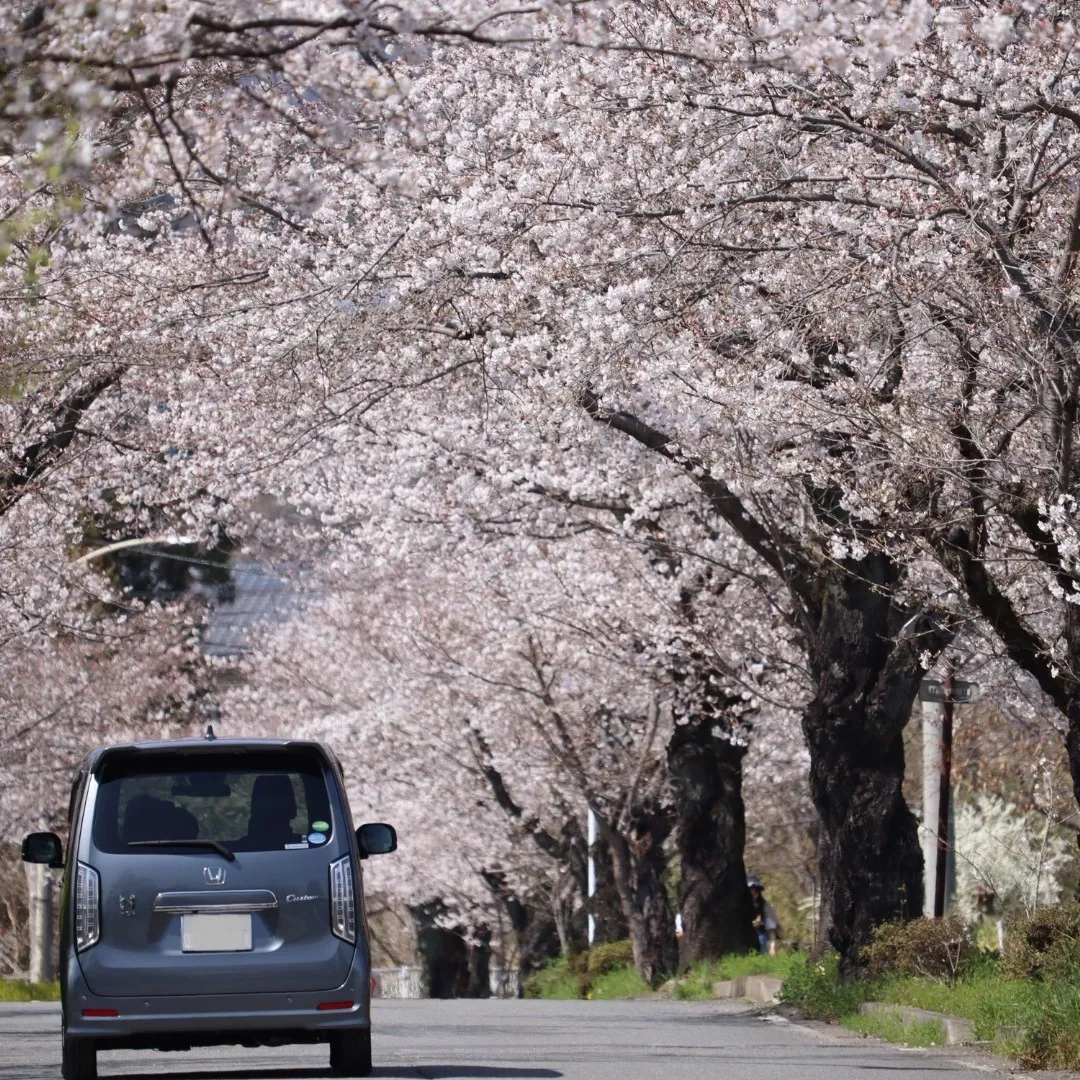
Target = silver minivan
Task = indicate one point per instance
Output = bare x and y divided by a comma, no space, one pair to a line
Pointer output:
212,894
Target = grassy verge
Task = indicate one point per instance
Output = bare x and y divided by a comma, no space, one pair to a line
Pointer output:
18,990
605,972
893,1029
697,985
608,972
556,982
620,982
1039,1023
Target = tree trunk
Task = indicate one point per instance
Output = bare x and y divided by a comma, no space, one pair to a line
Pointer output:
864,645
864,657
869,851
605,905
562,912
40,922
637,860
479,985
706,774
569,850
443,953
1072,748
534,928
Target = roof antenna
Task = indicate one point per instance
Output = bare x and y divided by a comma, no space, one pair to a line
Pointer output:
210,736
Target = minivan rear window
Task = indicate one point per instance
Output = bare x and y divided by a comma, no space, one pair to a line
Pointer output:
247,802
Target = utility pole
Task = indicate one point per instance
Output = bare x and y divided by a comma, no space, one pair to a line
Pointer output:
39,898
592,875
938,701
943,793
931,782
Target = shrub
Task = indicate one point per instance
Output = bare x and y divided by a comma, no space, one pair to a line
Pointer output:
601,959
619,982
1044,945
578,962
608,969
1053,1034
817,989
556,981
934,948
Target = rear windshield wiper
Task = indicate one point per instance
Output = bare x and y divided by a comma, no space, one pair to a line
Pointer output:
216,845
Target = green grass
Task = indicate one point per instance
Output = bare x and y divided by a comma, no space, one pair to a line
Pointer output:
781,965
620,982
604,972
697,985
1038,1023
18,990
992,1003
893,1029
555,982
817,989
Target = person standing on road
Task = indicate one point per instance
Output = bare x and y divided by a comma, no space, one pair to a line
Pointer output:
765,921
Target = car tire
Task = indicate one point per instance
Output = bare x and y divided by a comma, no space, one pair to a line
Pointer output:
350,1052
78,1059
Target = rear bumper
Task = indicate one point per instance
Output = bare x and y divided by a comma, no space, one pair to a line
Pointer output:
214,1019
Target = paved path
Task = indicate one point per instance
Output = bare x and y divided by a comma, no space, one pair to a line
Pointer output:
523,1040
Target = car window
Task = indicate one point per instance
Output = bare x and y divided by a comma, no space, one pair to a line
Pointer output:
252,802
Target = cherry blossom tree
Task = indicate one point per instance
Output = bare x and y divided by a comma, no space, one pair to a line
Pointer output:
799,273
554,664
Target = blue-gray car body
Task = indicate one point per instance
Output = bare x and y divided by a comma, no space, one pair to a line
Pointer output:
227,880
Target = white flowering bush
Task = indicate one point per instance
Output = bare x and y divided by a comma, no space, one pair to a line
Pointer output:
1016,856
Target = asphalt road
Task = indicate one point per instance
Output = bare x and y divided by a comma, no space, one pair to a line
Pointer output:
526,1040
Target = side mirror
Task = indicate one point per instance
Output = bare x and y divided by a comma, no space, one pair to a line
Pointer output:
376,839
43,847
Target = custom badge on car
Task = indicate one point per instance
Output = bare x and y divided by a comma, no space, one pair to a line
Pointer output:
295,898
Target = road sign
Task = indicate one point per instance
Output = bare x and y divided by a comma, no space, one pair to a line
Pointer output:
962,692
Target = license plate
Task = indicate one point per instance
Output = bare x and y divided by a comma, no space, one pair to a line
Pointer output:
216,933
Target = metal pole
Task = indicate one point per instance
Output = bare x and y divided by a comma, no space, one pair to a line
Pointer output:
943,796
931,778
592,875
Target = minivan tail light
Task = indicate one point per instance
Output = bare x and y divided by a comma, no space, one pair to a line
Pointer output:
87,907
342,900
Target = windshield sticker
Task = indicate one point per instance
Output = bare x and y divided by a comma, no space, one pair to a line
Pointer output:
317,838
293,847
320,826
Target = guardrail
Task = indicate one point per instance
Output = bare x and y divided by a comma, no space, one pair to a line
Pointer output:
399,982
407,981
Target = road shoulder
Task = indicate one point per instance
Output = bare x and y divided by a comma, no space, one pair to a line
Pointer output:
974,1058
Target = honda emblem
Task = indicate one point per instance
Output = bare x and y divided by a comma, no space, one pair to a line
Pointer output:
214,875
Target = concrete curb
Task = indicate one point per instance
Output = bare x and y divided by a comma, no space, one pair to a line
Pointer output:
958,1030
764,989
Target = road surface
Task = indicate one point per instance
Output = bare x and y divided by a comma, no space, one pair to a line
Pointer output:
525,1040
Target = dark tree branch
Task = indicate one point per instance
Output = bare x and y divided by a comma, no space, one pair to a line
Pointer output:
1023,645
542,838
779,550
40,456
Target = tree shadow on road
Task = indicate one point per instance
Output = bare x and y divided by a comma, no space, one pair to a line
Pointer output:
405,1072
467,1072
